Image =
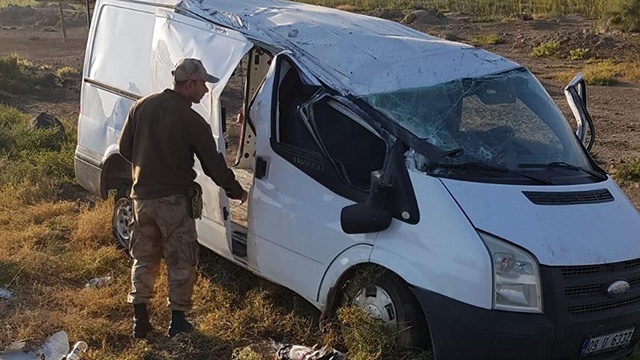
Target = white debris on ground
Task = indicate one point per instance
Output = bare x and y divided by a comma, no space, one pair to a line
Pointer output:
55,347
297,352
99,281
6,294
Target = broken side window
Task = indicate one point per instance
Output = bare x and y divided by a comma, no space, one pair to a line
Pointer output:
323,139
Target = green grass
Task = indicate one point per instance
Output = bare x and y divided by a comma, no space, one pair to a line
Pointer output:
545,49
578,54
629,170
16,74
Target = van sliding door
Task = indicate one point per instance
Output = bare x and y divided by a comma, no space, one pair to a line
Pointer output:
221,50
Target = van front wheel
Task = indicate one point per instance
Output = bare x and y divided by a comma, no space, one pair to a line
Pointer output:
122,215
385,296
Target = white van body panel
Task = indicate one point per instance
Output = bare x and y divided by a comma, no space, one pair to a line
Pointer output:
175,37
294,222
442,253
383,55
103,113
558,235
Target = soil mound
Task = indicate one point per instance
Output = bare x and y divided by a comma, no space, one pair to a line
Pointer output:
39,16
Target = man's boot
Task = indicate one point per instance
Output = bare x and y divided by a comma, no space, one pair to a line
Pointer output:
179,324
141,324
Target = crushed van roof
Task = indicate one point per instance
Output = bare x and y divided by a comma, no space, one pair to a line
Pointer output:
356,54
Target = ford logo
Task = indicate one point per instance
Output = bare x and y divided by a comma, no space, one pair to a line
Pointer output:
618,288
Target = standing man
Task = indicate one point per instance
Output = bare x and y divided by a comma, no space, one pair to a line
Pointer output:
160,137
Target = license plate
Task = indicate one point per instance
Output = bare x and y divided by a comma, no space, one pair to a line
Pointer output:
607,342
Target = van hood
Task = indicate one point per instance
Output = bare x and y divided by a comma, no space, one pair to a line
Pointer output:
586,233
354,54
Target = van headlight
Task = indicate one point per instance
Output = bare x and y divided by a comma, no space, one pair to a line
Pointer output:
516,277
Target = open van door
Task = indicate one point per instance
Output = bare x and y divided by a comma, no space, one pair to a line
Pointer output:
221,50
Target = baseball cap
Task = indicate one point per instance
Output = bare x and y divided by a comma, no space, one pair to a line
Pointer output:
192,69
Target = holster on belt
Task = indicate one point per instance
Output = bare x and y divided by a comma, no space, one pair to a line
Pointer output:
194,198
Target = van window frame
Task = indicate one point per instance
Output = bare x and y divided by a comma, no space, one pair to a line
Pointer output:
333,181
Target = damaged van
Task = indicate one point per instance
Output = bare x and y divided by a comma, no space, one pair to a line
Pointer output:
367,147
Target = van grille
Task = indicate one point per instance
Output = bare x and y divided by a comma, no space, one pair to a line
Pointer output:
593,289
569,198
585,287
582,309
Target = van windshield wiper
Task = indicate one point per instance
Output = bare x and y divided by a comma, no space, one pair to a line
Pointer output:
485,167
564,165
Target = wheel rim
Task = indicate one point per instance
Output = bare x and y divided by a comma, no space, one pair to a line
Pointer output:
378,304
122,217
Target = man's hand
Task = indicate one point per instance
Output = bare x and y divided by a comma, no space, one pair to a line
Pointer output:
244,198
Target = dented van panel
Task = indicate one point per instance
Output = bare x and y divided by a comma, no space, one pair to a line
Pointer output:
383,55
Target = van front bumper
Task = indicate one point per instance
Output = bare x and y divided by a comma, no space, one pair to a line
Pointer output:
463,331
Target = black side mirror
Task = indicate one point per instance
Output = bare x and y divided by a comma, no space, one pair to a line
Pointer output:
370,216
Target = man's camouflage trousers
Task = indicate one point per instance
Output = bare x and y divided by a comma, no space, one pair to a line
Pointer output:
161,229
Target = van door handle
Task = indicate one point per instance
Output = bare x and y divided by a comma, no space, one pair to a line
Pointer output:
261,167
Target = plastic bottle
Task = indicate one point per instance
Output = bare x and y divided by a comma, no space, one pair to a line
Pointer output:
78,349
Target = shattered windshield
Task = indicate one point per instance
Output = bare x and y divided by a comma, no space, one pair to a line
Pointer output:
506,121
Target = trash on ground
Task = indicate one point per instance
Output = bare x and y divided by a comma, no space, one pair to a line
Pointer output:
55,347
6,294
19,350
99,281
297,352
78,349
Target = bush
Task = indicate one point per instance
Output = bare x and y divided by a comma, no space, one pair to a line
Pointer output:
628,171
67,72
626,15
578,54
545,49
15,74
35,158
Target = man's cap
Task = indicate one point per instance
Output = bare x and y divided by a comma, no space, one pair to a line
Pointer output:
192,69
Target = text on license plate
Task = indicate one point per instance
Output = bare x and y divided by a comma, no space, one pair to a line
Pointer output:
608,341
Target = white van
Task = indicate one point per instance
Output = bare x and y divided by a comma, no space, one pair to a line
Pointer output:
369,146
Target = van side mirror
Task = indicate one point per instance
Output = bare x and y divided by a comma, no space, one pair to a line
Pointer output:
371,215
576,94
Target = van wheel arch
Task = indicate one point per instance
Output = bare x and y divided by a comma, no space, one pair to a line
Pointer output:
412,327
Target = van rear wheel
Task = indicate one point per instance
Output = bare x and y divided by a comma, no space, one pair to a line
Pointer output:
385,296
122,215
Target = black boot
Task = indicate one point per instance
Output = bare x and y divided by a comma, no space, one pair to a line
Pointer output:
179,324
141,324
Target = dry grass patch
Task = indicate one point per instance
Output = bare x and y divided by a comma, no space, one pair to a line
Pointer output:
608,72
348,7
490,39
67,71
93,228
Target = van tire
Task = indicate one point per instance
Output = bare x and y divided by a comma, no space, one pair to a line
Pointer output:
122,214
386,291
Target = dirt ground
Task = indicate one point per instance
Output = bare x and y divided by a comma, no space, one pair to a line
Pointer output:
615,109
